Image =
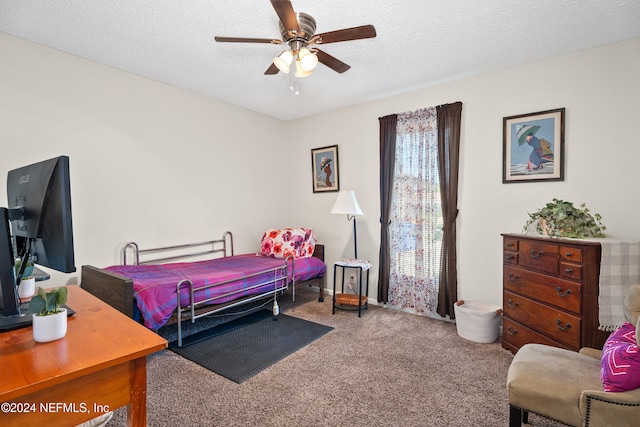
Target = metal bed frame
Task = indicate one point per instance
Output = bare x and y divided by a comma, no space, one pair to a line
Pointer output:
117,290
189,311
217,246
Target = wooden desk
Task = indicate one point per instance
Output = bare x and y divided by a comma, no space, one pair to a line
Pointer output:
100,365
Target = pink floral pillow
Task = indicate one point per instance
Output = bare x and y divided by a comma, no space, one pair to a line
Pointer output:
295,242
620,364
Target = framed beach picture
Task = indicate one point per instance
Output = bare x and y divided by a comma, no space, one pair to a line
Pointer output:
326,175
533,147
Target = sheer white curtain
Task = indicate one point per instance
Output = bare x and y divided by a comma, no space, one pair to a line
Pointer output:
415,234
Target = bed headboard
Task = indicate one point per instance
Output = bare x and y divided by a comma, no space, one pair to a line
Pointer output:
318,251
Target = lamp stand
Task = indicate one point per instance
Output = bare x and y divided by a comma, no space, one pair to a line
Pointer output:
355,236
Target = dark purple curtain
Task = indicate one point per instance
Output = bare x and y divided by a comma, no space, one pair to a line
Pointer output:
449,118
387,164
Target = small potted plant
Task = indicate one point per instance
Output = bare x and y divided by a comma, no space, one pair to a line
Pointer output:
560,218
49,319
27,282
28,270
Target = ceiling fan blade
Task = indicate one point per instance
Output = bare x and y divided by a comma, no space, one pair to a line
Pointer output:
355,33
271,70
287,15
246,40
331,61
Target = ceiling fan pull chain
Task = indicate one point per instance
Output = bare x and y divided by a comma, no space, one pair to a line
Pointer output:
295,85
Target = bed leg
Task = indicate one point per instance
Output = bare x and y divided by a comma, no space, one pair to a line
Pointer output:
179,327
321,286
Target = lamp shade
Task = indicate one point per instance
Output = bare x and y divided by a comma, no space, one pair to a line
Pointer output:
346,203
283,61
300,72
308,60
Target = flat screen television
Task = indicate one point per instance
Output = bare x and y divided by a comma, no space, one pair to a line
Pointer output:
39,212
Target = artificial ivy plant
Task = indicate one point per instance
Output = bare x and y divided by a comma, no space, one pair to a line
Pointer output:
560,218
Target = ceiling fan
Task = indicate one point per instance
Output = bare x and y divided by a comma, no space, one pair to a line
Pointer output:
298,32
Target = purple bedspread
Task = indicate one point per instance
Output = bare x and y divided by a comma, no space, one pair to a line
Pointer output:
154,285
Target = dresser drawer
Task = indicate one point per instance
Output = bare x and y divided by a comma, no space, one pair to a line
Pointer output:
553,323
561,293
510,244
518,335
571,271
539,256
510,257
571,254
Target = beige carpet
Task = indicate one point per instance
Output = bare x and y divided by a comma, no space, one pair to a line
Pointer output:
386,368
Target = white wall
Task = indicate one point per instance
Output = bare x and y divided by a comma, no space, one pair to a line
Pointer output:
149,163
159,165
600,90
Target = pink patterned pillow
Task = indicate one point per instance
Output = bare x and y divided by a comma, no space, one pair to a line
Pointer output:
296,242
620,364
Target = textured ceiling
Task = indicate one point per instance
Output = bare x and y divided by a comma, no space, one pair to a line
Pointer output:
419,43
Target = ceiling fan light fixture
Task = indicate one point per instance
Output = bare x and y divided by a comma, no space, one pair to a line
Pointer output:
298,34
283,61
308,60
300,72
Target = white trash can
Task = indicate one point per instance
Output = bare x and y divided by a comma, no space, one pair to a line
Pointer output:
478,321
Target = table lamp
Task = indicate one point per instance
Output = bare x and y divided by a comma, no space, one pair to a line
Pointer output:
346,203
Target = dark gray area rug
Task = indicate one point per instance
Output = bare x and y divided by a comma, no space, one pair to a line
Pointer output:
240,349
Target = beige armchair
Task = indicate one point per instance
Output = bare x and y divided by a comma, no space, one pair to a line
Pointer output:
566,386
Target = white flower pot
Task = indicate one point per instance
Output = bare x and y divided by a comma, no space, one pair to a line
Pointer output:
51,327
27,287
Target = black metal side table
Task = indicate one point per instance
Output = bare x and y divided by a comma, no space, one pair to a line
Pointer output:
351,302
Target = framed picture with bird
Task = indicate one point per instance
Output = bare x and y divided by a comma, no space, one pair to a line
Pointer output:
533,147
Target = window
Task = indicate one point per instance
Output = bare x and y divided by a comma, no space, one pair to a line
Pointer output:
415,234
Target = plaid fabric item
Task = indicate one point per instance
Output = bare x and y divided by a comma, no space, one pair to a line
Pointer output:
619,270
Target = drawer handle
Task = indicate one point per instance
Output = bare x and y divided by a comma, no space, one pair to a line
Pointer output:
513,277
513,304
511,331
568,254
568,270
563,328
510,245
563,294
510,257
536,254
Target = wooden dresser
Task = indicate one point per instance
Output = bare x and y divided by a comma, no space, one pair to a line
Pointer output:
550,292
